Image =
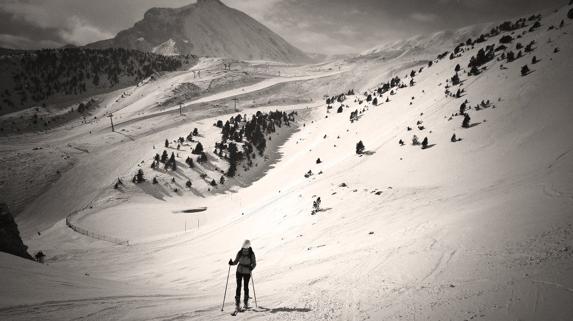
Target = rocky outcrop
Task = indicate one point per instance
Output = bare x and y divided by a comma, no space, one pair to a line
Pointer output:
10,241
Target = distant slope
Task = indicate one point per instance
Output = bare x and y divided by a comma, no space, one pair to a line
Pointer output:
34,78
207,28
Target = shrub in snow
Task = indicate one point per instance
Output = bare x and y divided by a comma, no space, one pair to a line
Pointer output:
155,180
415,140
570,14
188,184
454,138
506,39
524,70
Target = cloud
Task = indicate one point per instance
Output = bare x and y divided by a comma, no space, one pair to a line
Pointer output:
31,25
78,32
423,17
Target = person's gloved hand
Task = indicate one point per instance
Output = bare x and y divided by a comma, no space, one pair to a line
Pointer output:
252,267
230,261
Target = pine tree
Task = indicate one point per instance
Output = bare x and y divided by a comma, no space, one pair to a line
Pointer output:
233,160
195,132
534,60
222,180
198,149
188,184
172,162
463,108
455,80
474,71
166,143
164,157
466,121
454,138
189,161
425,143
524,70
457,68
139,177
360,148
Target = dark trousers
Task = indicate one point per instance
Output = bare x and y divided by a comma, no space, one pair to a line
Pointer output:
240,278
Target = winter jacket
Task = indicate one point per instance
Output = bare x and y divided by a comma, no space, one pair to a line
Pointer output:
246,261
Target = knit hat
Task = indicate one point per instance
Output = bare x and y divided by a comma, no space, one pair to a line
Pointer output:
246,244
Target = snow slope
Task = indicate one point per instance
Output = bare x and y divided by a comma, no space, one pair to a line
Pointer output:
476,229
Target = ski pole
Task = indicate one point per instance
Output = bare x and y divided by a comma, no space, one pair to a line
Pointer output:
254,292
225,296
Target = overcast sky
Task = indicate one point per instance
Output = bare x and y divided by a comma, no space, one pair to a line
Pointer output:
323,26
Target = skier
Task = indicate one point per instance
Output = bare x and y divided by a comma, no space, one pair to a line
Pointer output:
246,260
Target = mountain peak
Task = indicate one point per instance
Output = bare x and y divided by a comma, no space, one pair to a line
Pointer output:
205,28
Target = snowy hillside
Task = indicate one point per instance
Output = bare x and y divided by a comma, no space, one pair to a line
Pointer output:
205,28
434,227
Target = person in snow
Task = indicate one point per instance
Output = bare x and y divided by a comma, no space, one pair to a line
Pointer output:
246,260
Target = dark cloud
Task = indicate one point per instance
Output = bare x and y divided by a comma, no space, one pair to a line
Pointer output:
327,26
17,33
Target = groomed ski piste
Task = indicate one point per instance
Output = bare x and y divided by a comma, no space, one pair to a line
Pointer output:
477,229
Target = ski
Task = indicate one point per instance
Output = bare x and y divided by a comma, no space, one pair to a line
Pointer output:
234,313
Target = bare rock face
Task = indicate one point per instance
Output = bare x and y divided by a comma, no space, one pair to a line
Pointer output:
10,241
205,28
